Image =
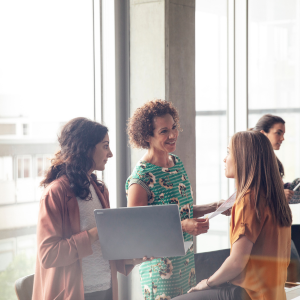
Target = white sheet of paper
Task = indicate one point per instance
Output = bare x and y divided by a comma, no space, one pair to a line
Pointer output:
226,205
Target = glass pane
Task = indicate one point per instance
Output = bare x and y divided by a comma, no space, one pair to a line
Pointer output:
211,55
6,168
46,79
109,94
211,122
274,54
40,166
20,167
47,161
7,184
211,182
27,167
274,75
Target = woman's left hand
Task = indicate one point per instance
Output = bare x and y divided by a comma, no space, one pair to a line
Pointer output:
200,286
226,212
288,195
137,261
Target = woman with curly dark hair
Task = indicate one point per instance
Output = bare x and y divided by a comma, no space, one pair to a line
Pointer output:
159,178
69,262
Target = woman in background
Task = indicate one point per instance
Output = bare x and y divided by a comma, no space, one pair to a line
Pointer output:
273,127
69,262
260,229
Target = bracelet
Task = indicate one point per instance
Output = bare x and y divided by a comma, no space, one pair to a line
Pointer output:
211,287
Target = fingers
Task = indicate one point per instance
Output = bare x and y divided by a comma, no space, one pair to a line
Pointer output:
194,289
145,258
93,234
220,203
227,212
204,224
199,226
201,230
288,194
196,226
205,220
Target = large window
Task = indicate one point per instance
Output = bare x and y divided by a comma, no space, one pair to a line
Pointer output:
50,72
274,75
211,121
247,65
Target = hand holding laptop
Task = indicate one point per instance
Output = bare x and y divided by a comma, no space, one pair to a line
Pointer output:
195,226
93,235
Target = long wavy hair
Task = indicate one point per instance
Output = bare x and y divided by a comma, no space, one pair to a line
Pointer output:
265,123
256,169
77,140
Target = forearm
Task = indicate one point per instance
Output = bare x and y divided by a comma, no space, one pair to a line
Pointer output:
58,252
296,198
201,210
230,269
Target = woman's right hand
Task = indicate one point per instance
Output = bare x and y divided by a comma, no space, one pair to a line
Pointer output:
288,195
195,226
93,235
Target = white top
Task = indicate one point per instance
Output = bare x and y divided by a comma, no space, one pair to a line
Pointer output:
95,269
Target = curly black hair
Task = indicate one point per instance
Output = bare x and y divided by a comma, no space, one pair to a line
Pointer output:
77,140
140,125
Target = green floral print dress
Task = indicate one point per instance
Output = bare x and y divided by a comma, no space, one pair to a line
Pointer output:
168,277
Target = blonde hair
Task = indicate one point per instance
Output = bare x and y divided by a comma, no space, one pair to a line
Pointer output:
257,169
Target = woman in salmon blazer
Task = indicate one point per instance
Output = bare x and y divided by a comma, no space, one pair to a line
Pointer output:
69,262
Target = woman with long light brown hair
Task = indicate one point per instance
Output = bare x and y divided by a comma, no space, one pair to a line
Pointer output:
260,229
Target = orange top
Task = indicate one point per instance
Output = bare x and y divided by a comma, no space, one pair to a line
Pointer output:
266,271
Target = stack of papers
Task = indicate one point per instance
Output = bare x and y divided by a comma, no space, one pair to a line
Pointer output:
225,206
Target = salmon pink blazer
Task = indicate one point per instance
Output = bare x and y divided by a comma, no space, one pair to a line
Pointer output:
61,246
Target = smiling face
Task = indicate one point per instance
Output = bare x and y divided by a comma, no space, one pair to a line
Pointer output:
164,135
101,154
276,135
229,164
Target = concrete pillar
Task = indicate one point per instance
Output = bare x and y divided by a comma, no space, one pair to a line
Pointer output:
162,65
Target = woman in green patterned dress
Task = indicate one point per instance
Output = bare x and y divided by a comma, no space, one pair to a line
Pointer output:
159,178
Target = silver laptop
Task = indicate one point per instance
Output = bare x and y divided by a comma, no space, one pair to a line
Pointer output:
134,232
